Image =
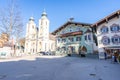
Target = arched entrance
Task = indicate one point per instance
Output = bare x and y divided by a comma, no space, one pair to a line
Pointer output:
83,48
82,51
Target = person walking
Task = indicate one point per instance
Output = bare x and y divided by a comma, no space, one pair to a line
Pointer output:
112,57
105,54
116,57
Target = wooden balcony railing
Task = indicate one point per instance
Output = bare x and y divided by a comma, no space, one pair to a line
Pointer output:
71,34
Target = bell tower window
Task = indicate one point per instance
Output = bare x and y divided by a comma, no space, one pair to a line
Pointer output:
33,27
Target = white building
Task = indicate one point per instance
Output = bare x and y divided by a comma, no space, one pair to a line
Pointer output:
108,34
39,39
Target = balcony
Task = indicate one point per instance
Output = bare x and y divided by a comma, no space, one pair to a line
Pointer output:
71,34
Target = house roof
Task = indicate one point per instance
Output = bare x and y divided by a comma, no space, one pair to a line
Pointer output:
107,18
68,23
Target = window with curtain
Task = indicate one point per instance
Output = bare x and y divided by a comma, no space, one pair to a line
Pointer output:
104,29
71,39
78,38
115,28
115,39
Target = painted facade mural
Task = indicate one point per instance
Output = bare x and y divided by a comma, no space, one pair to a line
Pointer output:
108,34
74,38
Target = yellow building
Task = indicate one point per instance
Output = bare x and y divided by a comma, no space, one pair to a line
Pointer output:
3,39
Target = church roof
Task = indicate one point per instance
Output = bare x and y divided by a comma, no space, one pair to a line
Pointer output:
44,13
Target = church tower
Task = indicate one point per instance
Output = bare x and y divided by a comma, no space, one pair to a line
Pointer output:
43,35
31,35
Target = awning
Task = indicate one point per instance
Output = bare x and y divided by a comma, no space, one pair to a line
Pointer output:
113,47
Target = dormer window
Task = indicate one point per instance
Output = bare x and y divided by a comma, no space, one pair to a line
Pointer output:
104,29
78,29
115,28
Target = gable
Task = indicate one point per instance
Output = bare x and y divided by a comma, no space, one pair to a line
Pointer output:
68,25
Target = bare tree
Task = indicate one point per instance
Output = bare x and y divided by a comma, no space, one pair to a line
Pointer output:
11,20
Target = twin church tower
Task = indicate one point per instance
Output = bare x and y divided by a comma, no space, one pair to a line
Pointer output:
38,38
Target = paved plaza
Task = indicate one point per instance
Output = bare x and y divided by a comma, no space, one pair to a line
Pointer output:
58,68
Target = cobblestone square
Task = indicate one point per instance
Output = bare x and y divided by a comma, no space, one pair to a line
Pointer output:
58,68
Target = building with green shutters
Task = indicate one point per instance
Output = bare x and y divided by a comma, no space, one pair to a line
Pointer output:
74,38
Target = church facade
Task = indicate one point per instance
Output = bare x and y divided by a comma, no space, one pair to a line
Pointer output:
38,38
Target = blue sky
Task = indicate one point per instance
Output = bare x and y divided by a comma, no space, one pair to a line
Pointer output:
59,11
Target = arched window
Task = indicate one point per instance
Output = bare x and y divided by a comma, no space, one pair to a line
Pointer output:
78,29
115,28
104,29
71,29
105,40
89,37
115,39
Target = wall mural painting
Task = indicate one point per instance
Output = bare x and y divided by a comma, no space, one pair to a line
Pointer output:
105,40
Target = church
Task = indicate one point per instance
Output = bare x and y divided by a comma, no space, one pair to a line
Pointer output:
39,38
